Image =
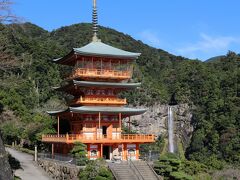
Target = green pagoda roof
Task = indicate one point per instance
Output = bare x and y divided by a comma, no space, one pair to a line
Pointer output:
107,110
101,109
98,49
106,84
102,49
71,85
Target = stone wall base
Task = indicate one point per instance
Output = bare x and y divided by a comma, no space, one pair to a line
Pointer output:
59,170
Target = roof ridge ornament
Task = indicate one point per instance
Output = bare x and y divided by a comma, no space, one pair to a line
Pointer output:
95,22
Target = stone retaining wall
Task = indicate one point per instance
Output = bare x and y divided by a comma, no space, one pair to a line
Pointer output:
59,170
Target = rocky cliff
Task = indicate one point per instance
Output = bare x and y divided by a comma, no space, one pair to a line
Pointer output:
5,170
155,121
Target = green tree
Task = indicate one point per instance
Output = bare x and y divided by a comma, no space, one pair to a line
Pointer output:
96,170
80,153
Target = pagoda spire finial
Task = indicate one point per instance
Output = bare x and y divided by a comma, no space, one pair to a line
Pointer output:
95,22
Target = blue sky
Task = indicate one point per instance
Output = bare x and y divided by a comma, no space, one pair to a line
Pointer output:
190,28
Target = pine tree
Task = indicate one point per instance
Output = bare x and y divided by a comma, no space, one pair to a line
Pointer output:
79,152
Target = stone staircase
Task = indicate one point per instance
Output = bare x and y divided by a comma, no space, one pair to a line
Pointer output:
122,171
146,172
132,170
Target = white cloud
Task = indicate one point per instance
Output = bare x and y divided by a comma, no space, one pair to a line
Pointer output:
208,45
150,37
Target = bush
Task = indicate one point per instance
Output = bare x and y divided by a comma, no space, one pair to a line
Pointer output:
96,170
171,166
167,164
105,173
215,163
79,152
180,175
193,167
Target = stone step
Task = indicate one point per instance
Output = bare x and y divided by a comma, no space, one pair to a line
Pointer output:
125,171
145,171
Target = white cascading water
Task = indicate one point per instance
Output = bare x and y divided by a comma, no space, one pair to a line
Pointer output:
170,130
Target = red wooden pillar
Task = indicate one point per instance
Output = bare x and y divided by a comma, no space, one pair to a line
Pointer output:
92,62
99,120
58,126
124,151
110,132
52,151
137,151
99,126
120,120
101,152
88,151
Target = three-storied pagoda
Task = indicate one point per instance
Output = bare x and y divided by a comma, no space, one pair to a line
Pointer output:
94,117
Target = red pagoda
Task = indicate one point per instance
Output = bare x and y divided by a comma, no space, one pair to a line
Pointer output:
94,116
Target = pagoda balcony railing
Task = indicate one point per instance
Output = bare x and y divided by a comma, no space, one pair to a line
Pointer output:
71,138
99,100
100,73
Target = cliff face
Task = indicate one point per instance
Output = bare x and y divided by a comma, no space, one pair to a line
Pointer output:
5,170
155,121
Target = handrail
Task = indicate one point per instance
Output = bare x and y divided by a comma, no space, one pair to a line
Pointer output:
113,171
157,176
135,168
78,137
101,100
123,136
100,73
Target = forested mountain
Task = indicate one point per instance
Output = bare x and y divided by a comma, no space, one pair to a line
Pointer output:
28,75
214,59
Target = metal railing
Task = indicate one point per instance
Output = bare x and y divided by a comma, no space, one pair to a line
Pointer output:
113,172
69,159
156,175
134,168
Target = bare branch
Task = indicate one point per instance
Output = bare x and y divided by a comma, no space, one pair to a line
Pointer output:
6,16
7,60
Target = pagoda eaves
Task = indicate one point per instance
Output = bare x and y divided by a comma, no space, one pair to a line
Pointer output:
100,109
96,84
97,49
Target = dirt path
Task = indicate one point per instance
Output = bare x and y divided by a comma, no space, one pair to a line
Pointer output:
30,170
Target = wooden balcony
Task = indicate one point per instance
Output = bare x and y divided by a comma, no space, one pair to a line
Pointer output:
100,100
124,138
100,73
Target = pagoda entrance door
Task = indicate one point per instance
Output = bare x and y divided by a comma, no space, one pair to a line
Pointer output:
104,131
106,152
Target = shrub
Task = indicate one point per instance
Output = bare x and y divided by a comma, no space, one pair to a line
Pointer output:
96,170
167,164
180,175
79,152
171,166
193,167
215,163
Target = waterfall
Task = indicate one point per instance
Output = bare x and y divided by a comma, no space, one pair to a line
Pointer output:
170,130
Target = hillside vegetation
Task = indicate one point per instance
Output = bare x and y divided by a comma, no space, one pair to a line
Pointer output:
27,76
